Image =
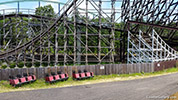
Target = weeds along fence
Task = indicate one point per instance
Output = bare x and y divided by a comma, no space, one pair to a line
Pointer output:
105,69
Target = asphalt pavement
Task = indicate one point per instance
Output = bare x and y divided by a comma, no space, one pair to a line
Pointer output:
154,88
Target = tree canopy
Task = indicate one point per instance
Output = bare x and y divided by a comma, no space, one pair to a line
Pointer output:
47,11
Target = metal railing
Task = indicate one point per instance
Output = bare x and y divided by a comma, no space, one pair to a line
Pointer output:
145,48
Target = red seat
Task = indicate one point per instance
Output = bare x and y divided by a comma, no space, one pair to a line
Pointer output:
82,75
76,75
66,75
29,78
62,75
92,74
33,77
14,81
56,77
49,79
88,74
23,80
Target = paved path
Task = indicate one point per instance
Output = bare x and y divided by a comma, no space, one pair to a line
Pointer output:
140,89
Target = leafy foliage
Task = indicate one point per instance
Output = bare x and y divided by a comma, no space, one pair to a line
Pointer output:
47,11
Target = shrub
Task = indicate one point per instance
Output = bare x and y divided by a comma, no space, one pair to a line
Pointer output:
37,64
4,66
44,64
20,64
51,64
29,65
12,65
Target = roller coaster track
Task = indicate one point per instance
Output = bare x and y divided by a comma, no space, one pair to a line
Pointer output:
78,33
50,18
42,34
148,48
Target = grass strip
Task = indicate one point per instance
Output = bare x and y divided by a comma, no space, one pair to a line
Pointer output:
40,84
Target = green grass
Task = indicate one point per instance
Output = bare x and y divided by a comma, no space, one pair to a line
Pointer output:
40,84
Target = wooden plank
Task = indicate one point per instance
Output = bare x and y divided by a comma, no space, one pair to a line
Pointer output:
107,69
93,69
53,69
120,68
62,69
24,70
69,68
58,69
65,69
87,67
151,68
16,71
90,68
96,69
32,70
20,71
110,69
131,69
142,67
128,68
148,65
48,70
147,68
5,74
11,72
45,70
116,71
102,69
139,68
113,68
136,68
74,68
37,72
0,74
124,68
40,72
82,67
78,68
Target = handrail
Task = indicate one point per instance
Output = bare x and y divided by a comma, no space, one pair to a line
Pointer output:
15,1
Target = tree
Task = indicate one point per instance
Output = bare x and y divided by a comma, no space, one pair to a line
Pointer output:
47,11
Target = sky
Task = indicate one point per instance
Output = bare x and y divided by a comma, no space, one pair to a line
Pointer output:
33,5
